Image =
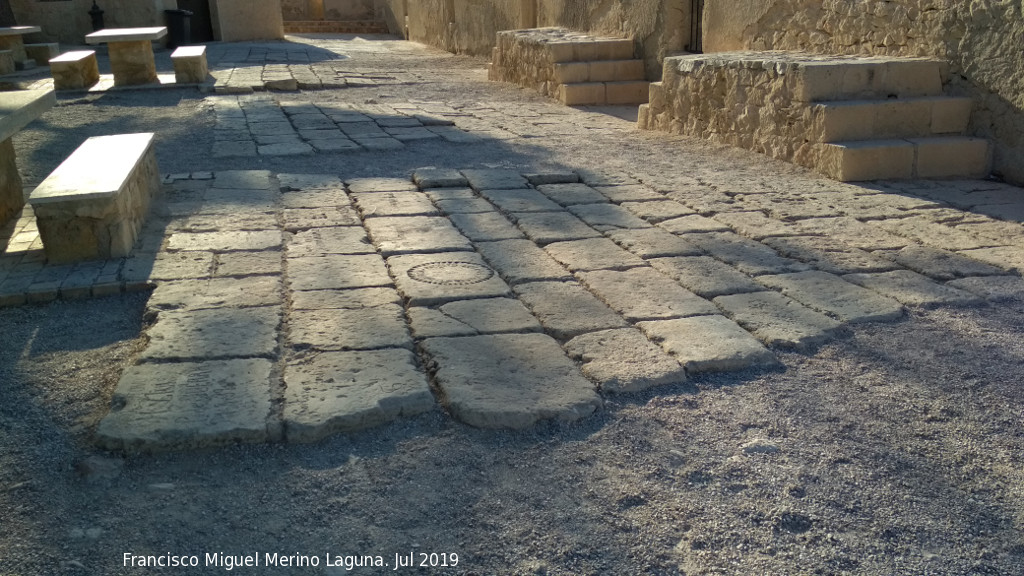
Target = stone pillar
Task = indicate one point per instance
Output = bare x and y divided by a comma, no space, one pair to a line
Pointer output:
11,197
527,13
132,62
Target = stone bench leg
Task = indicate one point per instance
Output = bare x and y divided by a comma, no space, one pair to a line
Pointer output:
75,70
6,62
132,62
190,69
11,197
42,52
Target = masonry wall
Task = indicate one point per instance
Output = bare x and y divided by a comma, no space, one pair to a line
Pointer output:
68,21
328,9
982,40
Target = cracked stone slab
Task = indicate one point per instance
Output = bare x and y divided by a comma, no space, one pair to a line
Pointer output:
432,323
188,405
992,288
572,194
853,232
354,298
913,289
747,255
509,380
653,243
525,200
624,360
705,276
330,240
492,315
225,222
295,182
629,193
709,344
337,271
344,391
316,198
1005,257
494,179
605,217
592,254
373,204
756,225
298,219
547,227
487,227
552,178
831,294
439,178
213,333
777,320
226,241
442,194
932,234
415,234
429,279
521,261
693,223
656,211
566,309
350,328
247,263
645,294
169,266
216,293
454,206
940,264
380,185
828,255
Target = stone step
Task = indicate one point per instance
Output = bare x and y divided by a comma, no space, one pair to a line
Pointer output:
935,157
599,71
892,118
600,93
335,27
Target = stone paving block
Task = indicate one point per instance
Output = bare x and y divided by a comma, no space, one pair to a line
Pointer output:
566,309
297,182
344,391
658,210
992,288
213,333
225,222
592,254
375,204
705,276
486,227
247,263
315,198
353,298
777,320
605,217
234,149
756,225
464,206
547,227
357,130
932,234
940,264
334,145
188,405
285,149
312,134
358,185
244,179
429,279
828,255
415,234
853,232
266,140
446,194
169,266
692,224
653,243
431,323
509,380
913,289
572,194
337,271
490,179
709,344
522,261
629,193
623,360
226,241
747,255
539,178
330,240
233,200
378,144
1005,257
349,328
831,294
645,294
525,200
492,315
216,293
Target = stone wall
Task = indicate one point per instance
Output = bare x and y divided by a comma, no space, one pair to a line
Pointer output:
980,39
328,9
241,20
68,21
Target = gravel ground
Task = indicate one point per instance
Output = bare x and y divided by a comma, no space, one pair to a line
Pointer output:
893,450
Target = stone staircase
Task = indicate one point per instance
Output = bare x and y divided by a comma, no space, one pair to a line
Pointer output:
576,68
850,118
335,27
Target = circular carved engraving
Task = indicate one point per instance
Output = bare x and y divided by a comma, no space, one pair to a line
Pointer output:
450,273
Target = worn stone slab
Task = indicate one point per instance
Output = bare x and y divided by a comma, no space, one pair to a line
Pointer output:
225,222
244,179
234,148
940,264
315,198
337,271
221,202
509,380
756,225
464,206
375,204
606,217
486,227
213,333
624,360
353,298
439,178
1005,257
572,194
828,255
522,261
777,320
443,194
216,293
296,182
992,288
357,185
432,323
705,276
344,391
547,227
933,234
415,234
349,328
566,309
629,193
552,178
645,294
492,315
831,294
485,179
853,232
429,279
331,240
655,211
747,255
913,289
169,266
188,405
692,224
297,219
709,344
226,241
592,254
248,263
525,200
653,243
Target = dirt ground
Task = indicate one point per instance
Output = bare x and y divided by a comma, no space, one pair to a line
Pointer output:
895,449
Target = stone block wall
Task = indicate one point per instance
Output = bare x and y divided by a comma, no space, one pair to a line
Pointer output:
68,22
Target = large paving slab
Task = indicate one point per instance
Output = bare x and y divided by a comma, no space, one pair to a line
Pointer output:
853,232
343,391
296,182
940,264
439,178
927,232
486,227
349,328
484,179
645,294
592,254
777,320
630,193
657,210
521,200
316,198
572,194
357,185
354,298
213,334
298,219
170,265
521,261
188,405
566,309
330,240
624,360
429,279
992,288
239,264
337,271
705,276
492,315
226,241
747,255
509,380
217,293
827,255
373,204
913,289
692,224
415,235
432,323
547,227
709,344
604,217
653,243
831,294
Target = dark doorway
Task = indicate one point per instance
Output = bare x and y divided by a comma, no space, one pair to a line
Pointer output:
201,23
696,27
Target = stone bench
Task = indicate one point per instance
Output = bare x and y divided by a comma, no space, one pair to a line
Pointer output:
17,109
76,70
190,65
94,204
42,52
